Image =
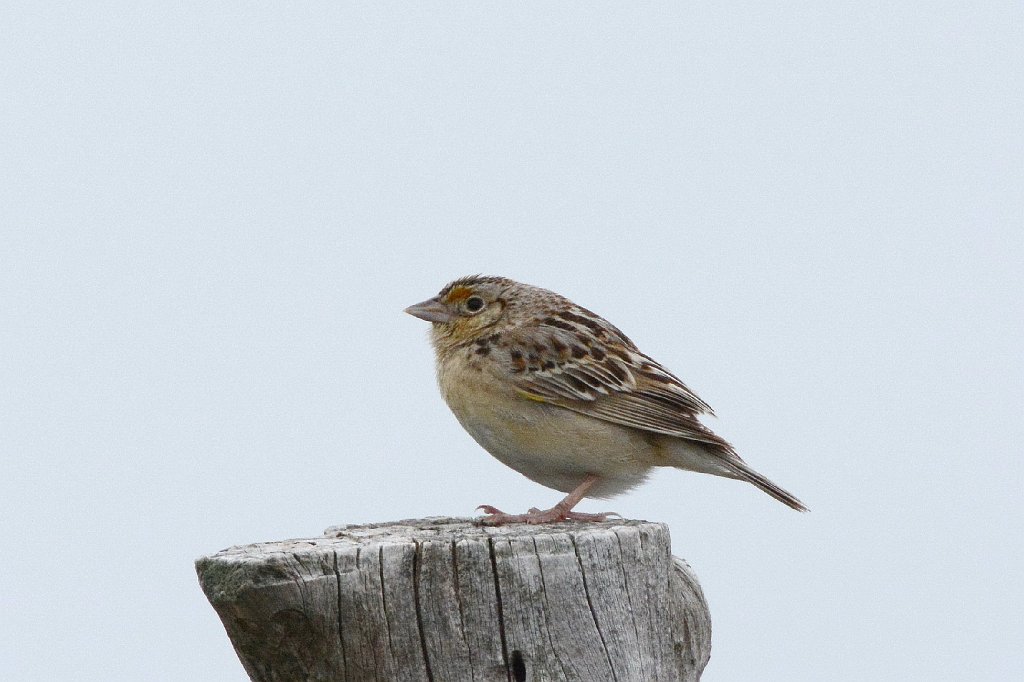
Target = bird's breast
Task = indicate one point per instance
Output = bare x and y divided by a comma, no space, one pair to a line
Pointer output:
548,444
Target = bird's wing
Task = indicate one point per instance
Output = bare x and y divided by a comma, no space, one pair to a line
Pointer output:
606,377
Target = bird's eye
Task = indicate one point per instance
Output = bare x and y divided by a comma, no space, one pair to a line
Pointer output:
474,304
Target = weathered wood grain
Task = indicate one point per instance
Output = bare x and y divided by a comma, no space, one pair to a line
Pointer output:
446,600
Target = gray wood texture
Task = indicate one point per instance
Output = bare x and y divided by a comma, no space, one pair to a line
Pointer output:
447,600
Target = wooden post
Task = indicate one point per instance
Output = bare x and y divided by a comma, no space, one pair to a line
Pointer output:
443,599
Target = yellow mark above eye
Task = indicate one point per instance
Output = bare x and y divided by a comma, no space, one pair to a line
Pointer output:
531,396
459,294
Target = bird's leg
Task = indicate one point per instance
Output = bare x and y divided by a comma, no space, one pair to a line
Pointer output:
560,512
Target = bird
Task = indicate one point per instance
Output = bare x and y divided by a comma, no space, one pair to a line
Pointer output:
559,394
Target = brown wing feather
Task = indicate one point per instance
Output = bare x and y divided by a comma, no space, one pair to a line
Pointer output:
613,382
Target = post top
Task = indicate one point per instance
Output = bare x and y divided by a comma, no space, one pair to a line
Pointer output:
414,531
447,598
454,528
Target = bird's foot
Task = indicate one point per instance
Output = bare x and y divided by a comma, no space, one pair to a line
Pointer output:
496,517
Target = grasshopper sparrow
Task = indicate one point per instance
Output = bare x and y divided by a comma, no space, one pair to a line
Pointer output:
563,397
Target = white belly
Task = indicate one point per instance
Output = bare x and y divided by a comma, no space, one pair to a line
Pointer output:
548,444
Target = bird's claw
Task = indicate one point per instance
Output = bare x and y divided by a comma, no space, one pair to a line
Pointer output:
496,517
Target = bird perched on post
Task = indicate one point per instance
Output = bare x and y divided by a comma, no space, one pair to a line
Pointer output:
562,396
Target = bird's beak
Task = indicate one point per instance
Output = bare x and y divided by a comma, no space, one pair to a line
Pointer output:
431,310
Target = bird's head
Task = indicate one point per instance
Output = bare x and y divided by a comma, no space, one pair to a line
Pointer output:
467,309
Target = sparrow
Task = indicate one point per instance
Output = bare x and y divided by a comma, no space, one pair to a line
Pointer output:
559,394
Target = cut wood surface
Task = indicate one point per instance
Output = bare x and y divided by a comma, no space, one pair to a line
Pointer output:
447,600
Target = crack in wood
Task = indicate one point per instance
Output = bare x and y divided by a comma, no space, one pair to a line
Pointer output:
629,595
363,579
590,604
458,599
547,624
501,614
341,636
384,601
417,560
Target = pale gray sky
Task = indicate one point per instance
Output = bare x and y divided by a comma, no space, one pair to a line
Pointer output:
212,215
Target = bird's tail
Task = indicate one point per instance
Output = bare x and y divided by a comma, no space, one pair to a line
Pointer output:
745,473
